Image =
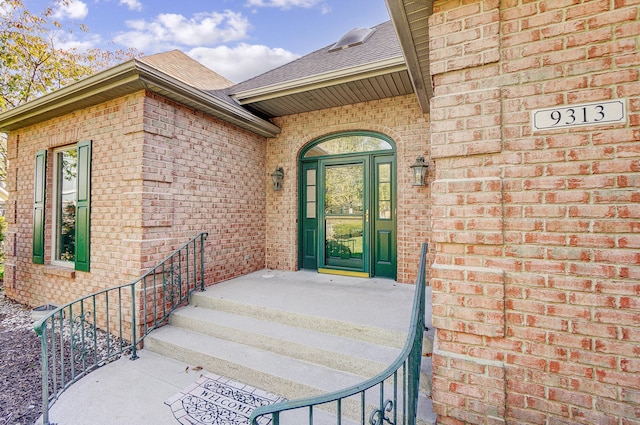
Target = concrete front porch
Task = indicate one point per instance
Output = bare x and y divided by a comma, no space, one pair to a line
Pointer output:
291,334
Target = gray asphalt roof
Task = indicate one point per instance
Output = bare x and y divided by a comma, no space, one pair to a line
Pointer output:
180,66
383,44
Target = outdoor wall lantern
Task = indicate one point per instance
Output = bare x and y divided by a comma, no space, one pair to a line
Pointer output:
277,177
419,170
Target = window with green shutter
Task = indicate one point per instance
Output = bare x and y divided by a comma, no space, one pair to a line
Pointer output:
71,207
83,198
38,207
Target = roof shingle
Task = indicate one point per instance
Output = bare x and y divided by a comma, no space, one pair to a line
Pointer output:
181,67
383,44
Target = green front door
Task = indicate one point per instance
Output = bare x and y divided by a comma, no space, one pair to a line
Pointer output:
348,208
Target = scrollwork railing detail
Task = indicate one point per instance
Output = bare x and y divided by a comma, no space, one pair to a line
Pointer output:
379,416
81,331
171,284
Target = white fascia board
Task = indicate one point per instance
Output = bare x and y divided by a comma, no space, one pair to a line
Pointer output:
420,78
119,75
317,81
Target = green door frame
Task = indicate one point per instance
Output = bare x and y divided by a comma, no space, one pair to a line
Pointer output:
380,253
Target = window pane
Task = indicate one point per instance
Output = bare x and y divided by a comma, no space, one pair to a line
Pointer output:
384,172
384,191
311,177
66,205
348,144
311,210
384,210
344,189
344,237
311,193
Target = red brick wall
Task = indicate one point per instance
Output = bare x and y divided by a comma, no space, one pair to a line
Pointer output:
115,128
536,279
202,174
161,173
399,118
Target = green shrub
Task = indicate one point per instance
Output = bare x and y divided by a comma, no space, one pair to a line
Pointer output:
347,230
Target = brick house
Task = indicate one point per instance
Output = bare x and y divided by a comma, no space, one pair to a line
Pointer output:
527,113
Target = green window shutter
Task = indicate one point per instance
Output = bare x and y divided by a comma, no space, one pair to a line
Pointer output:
39,197
83,204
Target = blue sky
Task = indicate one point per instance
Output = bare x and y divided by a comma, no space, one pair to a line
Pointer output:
236,38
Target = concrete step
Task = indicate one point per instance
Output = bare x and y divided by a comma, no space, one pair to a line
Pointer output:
345,352
295,339
279,374
273,372
362,332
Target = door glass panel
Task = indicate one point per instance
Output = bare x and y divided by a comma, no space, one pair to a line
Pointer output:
311,210
309,226
344,238
384,191
383,241
311,194
344,189
344,215
311,177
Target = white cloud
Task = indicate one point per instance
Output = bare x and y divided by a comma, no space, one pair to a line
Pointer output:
243,61
132,4
76,9
68,41
284,4
169,30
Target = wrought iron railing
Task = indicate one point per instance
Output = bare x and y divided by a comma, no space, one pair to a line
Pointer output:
390,397
94,330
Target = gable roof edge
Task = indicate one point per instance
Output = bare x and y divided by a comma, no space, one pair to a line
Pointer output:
316,81
202,100
125,78
420,78
44,107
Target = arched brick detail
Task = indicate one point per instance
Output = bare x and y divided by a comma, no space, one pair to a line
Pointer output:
400,119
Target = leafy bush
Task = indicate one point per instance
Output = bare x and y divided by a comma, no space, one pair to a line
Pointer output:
347,230
336,249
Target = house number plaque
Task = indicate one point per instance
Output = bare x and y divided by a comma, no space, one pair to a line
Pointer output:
600,113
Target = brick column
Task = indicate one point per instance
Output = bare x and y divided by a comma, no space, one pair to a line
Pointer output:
468,207
535,280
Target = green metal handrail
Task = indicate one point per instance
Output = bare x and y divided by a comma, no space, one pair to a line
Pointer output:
91,331
406,369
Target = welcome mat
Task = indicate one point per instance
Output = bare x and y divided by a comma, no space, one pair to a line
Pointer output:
215,400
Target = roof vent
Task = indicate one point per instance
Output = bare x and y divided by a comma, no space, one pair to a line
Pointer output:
352,38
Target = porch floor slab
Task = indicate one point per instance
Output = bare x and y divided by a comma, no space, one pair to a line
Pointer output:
134,392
